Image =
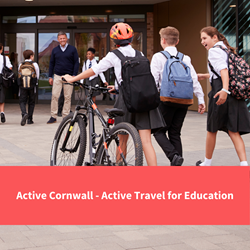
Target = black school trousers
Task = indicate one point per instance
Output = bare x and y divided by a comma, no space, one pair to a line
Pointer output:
174,115
27,96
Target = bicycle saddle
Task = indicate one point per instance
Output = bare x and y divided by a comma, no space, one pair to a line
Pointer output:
114,112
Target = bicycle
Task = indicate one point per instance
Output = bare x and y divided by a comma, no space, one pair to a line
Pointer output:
117,146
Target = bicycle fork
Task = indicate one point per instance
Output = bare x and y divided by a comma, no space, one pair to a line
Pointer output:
63,148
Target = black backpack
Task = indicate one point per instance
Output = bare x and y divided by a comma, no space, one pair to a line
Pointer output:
7,75
138,85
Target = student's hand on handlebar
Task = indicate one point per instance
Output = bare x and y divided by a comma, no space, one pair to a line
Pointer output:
222,97
68,78
111,89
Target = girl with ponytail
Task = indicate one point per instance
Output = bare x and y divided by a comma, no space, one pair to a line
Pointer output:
225,112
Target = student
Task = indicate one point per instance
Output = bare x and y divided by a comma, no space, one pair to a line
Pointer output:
28,95
173,113
93,80
225,112
122,34
3,90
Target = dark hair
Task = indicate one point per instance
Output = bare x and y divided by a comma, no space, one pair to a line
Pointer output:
91,50
211,31
1,46
27,54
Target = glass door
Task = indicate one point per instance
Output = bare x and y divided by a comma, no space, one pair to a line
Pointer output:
14,46
47,41
84,39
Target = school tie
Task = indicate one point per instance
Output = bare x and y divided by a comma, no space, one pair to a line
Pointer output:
90,65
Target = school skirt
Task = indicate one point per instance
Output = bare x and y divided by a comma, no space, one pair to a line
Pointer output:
233,115
3,91
147,120
92,83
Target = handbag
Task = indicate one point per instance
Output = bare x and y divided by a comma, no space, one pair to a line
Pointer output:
7,75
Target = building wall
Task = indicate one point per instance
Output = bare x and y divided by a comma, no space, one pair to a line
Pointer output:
150,35
189,17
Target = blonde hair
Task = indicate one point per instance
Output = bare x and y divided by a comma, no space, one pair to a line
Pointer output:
211,31
170,34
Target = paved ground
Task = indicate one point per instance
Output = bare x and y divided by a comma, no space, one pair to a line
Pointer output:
31,144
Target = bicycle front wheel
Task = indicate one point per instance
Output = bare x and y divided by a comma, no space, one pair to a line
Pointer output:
124,147
74,151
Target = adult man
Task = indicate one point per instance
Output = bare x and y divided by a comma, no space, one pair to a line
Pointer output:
64,60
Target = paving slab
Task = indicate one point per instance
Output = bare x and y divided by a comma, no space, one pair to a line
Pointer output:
30,145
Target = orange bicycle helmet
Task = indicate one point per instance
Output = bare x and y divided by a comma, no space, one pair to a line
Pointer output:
121,33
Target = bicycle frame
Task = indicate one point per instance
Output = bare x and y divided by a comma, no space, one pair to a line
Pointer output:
91,110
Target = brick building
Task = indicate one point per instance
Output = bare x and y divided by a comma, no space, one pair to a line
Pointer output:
34,25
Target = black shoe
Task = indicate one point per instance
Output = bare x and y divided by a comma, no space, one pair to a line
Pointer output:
51,120
24,118
3,120
30,121
198,163
59,114
177,160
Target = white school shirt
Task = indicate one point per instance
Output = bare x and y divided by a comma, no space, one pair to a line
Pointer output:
111,60
36,68
86,66
8,64
157,65
218,58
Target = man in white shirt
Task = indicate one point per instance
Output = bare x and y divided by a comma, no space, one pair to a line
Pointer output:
173,113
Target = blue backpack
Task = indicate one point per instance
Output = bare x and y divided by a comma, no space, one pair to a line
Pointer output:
177,83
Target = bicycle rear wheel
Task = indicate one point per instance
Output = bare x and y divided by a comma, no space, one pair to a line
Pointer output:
128,152
75,148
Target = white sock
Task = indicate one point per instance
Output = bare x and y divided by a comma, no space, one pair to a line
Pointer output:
206,162
243,163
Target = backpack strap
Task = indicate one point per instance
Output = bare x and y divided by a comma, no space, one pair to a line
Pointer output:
119,54
166,54
180,55
212,69
4,61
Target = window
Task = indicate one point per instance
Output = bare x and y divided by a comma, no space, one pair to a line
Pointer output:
72,19
127,18
19,19
225,19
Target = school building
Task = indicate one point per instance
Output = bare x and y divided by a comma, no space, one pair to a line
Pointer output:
27,24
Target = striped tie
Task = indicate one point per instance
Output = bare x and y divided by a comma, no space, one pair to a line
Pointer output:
90,65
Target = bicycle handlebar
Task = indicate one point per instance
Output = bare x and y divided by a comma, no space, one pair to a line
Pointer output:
96,88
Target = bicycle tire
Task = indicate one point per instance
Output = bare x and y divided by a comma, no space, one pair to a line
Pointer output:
134,152
59,158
